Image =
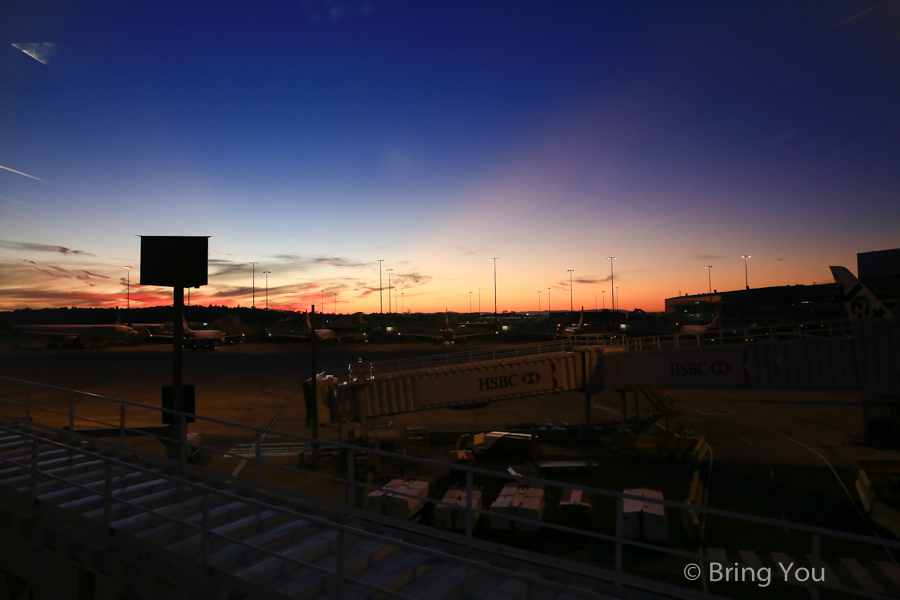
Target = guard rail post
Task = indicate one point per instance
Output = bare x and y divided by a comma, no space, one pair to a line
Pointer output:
204,534
257,450
816,564
351,478
620,535
469,506
121,423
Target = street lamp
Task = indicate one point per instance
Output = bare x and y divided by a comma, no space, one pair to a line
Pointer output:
402,302
479,302
395,296
267,288
389,289
253,264
595,302
470,303
335,304
709,276
128,270
495,287
539,301
603,295
380,297
746,278
548,304
612,281
616,298
571,305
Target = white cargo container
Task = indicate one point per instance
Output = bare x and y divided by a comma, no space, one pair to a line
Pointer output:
454,516
519,500
400,498
645,520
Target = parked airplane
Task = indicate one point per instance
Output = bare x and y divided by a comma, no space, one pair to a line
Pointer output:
701,329
75,334
201,338
858,300
292,329
577,330
447,335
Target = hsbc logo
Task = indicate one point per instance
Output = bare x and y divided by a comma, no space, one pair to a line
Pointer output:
719,367
504,381
529,378
687,369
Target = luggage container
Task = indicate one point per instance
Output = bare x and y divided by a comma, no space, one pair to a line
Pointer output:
576,510
645,520
454,517
388,500
519,500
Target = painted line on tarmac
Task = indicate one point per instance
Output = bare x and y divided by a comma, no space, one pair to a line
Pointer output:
252,451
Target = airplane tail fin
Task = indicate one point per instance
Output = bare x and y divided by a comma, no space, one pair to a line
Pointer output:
858,300
185,323
119,320
581,320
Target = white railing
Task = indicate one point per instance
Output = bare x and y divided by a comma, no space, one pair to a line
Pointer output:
31,409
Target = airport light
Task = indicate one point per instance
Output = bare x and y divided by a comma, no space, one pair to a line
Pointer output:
402,302
612,281
616,299
548,304
395,296
479,302
335,304
128,270
539,301
595,302
495,286
267,288
253,264
603,295
709,276
389,289
470,303
571,305
380,297
746,278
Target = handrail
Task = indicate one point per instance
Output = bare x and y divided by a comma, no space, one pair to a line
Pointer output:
31,408
467,357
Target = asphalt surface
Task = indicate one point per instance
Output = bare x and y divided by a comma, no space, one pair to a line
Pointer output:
785,455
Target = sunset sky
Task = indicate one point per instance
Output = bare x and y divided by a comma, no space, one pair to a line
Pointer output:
316,137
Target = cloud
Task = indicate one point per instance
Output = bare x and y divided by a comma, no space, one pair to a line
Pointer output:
408,280
779,259
20,173
590,279
31,247
302,261
41,52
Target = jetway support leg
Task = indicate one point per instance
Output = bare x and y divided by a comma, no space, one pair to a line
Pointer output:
624,409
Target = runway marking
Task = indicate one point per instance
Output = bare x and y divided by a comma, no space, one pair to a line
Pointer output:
252,451
748,441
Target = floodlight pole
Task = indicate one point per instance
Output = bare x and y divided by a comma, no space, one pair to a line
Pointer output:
571,305
612,281
549,316
494,260
380,298
746,277
267,288
389,271
253,264
128,270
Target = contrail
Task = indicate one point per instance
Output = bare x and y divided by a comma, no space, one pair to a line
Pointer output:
21,173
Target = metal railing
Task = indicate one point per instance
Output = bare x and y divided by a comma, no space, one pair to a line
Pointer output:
792,331
32,409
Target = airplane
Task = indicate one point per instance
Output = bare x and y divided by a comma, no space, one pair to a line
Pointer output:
202,338
74,335
701,329
446,335
285,329
858,300
577,330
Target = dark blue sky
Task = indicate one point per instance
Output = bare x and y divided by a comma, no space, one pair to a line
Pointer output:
316,137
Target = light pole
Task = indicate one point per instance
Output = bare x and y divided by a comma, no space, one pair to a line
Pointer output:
470,303
389,289
595,302
571,305
612,281
495,287
548,304
335,304
267,288
603,295
616,299
253,264
128,270
395,296
479,302
709,276
402,302
380,297
746,278
539,301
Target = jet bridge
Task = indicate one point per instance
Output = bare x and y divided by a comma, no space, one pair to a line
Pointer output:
459,380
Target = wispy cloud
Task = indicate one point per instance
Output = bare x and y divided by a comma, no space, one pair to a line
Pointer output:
20,173
708,257
31,247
